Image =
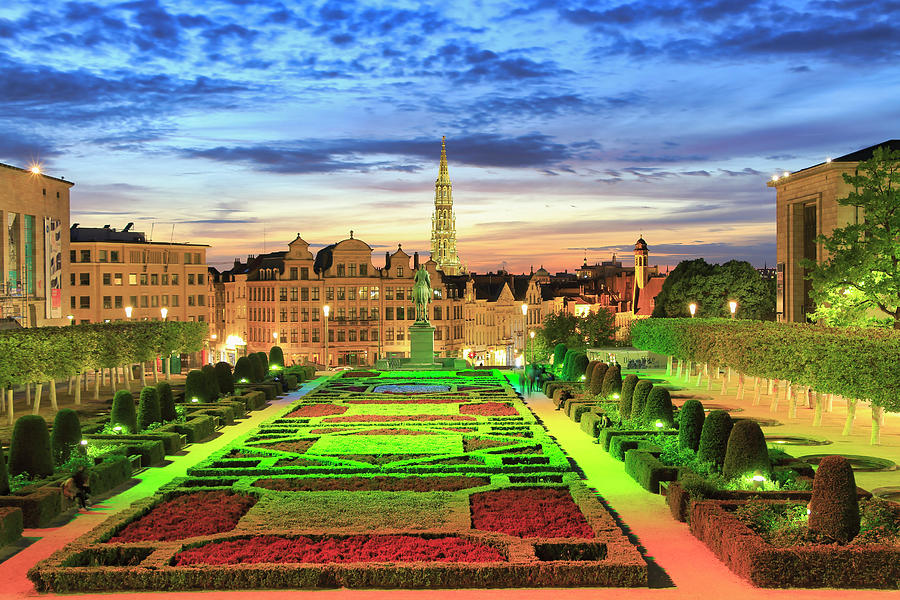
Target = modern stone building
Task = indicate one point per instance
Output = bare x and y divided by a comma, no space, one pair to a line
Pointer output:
806,207
110,270
34,208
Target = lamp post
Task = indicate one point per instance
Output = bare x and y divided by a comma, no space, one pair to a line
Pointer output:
732,306
693,308
128,310
71,319
325,310
525,341
164,312
275,336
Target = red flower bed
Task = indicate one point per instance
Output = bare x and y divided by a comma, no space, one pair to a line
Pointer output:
489,409
416,401
317,410
392,418
379,483
189,515
529,512
356,548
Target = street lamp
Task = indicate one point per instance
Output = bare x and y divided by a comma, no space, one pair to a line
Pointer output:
71,319
693,308
325,310
275,335
128,310
164,312
525,340
732,306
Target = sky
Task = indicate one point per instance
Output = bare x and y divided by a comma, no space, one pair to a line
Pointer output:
573,126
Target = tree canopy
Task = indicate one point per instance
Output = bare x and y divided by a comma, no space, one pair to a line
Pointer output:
593,330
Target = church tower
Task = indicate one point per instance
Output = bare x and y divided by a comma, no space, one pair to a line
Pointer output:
443,222
641,275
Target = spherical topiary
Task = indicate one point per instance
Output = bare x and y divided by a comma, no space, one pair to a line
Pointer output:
559,354
658,408
746,452
66,437
714,437
834,507
578,366
122,413
226,379
626,395
4,475
195,388
149,410
212,382
639,398
257,370
276,357
690,424
166,401
612,382
243,370
29,450
596,382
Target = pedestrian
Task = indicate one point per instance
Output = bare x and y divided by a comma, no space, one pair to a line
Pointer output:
77,487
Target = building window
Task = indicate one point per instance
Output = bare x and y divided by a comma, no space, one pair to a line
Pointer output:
329,293
374,316
363,293
315,335
72,258
84,302
154,301
340,293
143,279
118,302
133,301
363,335
107,279
293,273
351,335
165,279
101,255
388,293
340,270
293,294
283,315
363,270
351,271
351,293
400,272
187,258
190,301
389,334
399,293
315,295
190,279
107,301
282,294
331,335
174,278
341,315
315,314
144,302
85,256
201,300
363,313
84,279
351,313
165,299
114,256
304,272
400,316
72,279
388,313
294,336
342,335
373,292
200,279
304,312
374,335
400,335
294,314
154,279
437,313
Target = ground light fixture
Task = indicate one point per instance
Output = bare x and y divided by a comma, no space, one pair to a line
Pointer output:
732,306
660,424
195,399
693,308
117,429
84,442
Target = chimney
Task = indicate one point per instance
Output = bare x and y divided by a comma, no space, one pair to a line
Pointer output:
415,261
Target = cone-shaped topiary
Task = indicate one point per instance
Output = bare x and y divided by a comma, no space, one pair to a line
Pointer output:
166,401
226,379
4,475
195,386
149,410
122,413
578,366
639,398
746,452
612,382
714,437
257,370
276,357
264,359
212,382
567,361
66,436
589,371
559,354
658,408
834,507
597,378
690,424
29,450
243,370
626,395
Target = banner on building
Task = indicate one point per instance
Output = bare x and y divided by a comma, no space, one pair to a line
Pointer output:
53,273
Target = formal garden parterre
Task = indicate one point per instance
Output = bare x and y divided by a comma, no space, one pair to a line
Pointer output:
390,480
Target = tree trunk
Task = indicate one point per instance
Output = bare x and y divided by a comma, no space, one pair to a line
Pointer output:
807,397
53,403
10,412
877,413
740,390
709,378
757,393
27,394
819,400
69,386
98,375
729,374
167,368
38,392
143,374
678,370
687,373
78,388
155,371
771,385
792,403
851,414
113,380
668,366
699,376
830,406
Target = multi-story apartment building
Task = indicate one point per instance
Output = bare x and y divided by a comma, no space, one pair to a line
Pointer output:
112,270
34,247
281,297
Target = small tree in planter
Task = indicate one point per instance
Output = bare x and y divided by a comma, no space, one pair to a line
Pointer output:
149,409
639,398
30,451
225,378
612,382
243,370
690,424
714,437
212,383
122,413
596,383
834,506
166,401
195,387
746,452
276,358
626,395
658,409
66,436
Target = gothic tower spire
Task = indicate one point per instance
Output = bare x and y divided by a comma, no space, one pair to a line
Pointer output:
443,221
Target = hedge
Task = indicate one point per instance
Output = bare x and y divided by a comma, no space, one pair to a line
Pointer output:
852,362
66,435
225,378
647,470
11,525
29,450
149,410
171,439
196,429
123,413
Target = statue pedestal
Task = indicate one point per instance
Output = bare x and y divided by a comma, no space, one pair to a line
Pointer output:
421,343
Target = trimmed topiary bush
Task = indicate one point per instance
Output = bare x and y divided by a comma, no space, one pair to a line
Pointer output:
264,359
834,506
658,408
626,395
559,354
612,382
212,383
243,370
690,424
639,398
578,366
122,413
4,475
29,450
276,357
746,452
257,370
195,386
714,437
225,378
149,410
589,371
166,401
66,437
597,378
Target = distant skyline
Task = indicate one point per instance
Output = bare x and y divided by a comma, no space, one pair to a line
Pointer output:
572,126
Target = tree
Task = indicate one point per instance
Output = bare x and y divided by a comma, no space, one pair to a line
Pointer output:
66,437
559,328
598,328
859,281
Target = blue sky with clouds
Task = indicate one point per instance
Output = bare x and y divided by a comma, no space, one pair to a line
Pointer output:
572,126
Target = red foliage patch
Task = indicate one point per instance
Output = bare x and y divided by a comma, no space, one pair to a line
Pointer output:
189,515
470,444
298,446
425,400
329,430
392,431
529,512
392,418
379,483
489,409
316,410
356,548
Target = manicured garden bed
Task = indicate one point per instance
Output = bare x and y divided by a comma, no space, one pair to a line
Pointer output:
376,483
529,512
